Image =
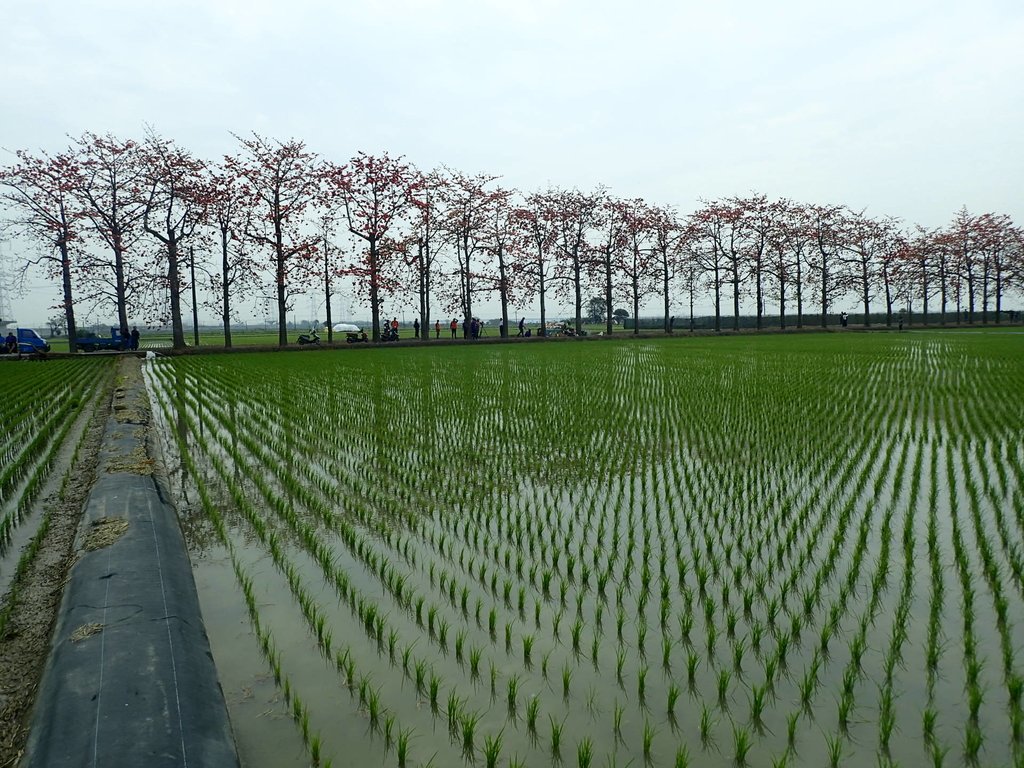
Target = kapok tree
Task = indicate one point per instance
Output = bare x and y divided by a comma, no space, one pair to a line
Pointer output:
466,201
784,257
704,233
38,193
604,253
666,253
280,180
228,213
375,193
865,246
536,220
758,221
426,226
500,232
177,195
112,193
634,265
960,237
576,213
996,241
829,274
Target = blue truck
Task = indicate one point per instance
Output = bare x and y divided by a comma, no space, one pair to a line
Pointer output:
29,342
90,342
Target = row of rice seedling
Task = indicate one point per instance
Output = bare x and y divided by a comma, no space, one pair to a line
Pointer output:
704,551
42,404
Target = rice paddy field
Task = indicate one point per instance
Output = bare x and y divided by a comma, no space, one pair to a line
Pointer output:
765,551
45,407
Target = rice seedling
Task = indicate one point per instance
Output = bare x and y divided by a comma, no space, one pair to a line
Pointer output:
706,727
742,745
648,741
692,662
584,753
834,747
421,676
972,744
402,746
673,697
468,722
492,749
528,651
617,713
724,678
566,681
435,686
792,719
532,710
556,735
513,696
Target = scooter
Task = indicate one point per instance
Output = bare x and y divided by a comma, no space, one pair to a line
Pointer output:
309,338
388,333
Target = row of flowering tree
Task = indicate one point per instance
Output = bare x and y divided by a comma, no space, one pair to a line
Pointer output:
139,226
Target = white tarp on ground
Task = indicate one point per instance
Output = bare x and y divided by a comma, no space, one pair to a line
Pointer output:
346,328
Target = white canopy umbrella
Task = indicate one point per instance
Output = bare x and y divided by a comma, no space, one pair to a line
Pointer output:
346,328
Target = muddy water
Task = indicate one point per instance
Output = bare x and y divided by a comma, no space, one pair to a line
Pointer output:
687,502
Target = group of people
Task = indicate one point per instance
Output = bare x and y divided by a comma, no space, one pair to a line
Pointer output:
474,329
471,330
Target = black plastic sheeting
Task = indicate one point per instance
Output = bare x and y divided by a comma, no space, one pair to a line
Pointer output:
143,690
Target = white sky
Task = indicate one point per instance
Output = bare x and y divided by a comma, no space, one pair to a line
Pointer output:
904,107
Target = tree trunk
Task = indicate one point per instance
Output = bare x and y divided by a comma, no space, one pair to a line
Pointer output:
799,294
543,290
69,303
174,287
782,301
195,304
824,292
327,295
718,301
467,286
374,291
867,299
422,290
503,288
282,317
225,288
609,309
119,287
735,296
759,293
636,301
578,285
664,289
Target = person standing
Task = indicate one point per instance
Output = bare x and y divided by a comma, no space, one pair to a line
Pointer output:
522,325
454,326
437,329
135,338
416,328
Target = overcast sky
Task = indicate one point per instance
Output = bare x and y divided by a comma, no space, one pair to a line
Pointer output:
903,107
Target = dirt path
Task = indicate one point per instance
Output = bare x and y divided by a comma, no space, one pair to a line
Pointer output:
37,594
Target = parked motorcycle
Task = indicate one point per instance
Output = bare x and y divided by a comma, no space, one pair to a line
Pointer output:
309,338
388,333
